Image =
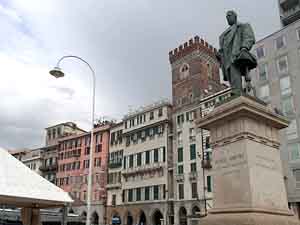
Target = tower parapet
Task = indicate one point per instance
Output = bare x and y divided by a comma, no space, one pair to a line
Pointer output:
193,44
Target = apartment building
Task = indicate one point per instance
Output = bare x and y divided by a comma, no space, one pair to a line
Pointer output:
49,152
195,77
144,193
289,11
277,82
73,169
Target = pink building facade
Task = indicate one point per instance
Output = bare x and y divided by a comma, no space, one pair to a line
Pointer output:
73,167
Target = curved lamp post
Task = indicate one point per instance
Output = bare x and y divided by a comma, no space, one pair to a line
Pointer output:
57,73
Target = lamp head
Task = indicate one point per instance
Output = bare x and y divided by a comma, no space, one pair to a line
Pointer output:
57,72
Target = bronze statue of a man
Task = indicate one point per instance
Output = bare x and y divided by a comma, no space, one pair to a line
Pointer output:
234,54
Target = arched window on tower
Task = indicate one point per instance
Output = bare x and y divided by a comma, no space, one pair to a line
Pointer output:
184,71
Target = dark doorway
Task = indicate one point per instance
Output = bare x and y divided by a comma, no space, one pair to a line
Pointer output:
95,219
182,216
142,220
196,211
129,219
157,218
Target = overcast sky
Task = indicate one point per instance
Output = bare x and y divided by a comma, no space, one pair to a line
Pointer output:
126,42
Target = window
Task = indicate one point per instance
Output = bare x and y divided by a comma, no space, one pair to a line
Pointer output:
147,157
298,34
99,148
181,191
138,194
282,64
192,151
86,164
87,151
297,177
125,162
180,119
287,105
179,138
208,183
263,72
291,131
193,167
147,193
207,142
184,71
97,162
130,195
280,42
151,132
156,192
264,92
180,169
260,52
123,196
192,131
160,112
285,85
130,161
139,159
180,155
84,195
294,151
164,154
113,201
151,115
156,155
194,190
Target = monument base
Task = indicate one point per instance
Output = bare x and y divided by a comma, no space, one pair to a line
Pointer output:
248,219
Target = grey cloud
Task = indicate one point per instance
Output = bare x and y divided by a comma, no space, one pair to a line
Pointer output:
127,43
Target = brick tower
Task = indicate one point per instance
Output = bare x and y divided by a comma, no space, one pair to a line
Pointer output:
195,72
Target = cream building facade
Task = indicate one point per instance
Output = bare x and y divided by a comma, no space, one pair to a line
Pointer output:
145,180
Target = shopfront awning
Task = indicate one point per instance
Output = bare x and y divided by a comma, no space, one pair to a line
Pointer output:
22,187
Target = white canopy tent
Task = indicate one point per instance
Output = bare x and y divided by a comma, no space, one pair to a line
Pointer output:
22,187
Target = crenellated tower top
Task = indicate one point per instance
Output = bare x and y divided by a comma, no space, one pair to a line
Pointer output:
193,44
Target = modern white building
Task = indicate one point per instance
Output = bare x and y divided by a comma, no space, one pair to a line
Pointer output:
277,82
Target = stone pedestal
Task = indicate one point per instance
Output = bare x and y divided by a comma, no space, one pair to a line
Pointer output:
248,184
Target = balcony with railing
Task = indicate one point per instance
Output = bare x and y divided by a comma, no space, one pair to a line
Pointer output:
144,169
48,167
179,177
289,11
115,164
113,186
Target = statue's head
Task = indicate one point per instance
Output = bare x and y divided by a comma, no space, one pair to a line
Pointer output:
231,17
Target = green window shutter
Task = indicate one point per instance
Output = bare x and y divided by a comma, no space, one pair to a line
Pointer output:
147,157
125,162
208,180
180,169
130,195
131,161
193,167
156,192
138,194
139,159
180,154
164,154
147,193
156,155
192,151
187,116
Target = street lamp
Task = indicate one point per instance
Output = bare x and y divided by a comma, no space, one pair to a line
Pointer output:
57,73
